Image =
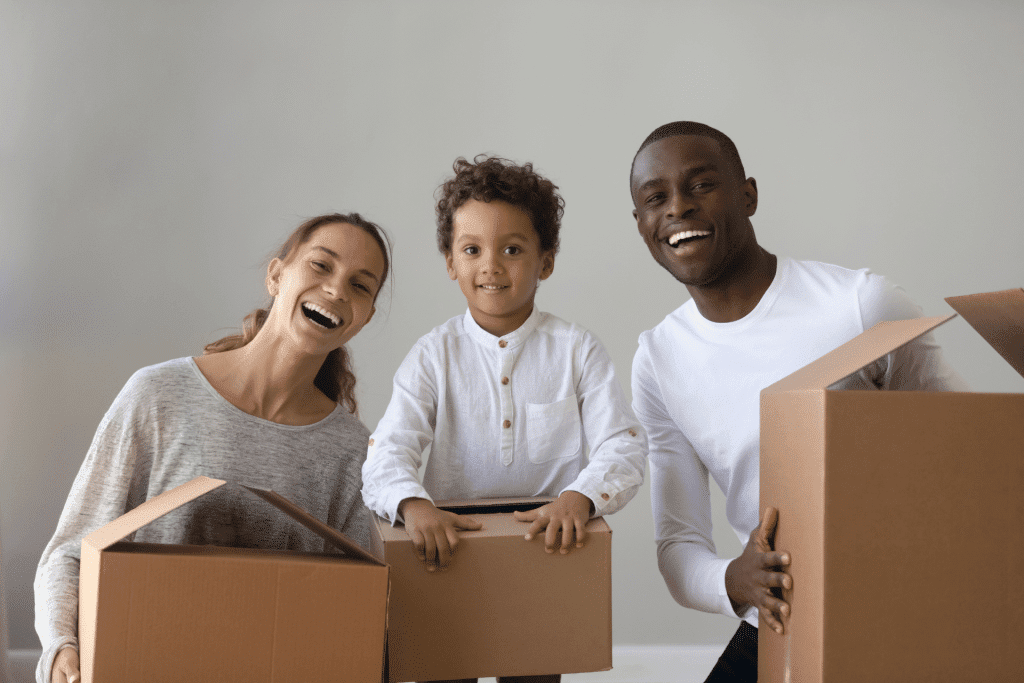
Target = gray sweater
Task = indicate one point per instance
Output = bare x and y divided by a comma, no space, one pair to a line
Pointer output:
169,425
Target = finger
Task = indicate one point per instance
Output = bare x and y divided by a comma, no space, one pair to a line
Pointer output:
551,535
467,523
417,543
525,515
430,551
444,551
568,535
778,580
778,609
538,525
581,532
774,559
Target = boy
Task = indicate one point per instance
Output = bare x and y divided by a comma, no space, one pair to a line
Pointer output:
513,402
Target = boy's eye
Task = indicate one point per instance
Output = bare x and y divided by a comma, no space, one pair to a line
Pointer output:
472,251
513,250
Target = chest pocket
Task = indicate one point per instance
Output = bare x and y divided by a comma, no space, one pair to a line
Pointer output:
553,429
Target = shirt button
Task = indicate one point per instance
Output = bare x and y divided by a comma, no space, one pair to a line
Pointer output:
504,380
502,343
605,496
506,424
632,432
371,442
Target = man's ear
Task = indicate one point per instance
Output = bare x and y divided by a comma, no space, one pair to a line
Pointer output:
750,196
548,267
274,276
449,263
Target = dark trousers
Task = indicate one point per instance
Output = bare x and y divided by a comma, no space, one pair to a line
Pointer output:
739,661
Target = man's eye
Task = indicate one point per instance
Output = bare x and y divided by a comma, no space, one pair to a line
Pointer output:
654,198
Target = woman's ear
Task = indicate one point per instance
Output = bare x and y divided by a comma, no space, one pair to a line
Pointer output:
274,276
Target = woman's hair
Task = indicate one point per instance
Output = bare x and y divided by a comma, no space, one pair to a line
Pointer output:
335,377
487,179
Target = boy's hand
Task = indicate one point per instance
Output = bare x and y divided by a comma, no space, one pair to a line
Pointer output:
753,577
568,515
434,533
65,666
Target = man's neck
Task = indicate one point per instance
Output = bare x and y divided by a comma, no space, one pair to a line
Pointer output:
733,297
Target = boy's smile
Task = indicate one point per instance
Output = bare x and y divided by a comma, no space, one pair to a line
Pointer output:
497,260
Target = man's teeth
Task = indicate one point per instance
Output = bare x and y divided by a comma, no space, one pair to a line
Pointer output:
675,239
321,315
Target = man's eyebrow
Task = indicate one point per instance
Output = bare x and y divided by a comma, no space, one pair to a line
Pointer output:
688,173
333,253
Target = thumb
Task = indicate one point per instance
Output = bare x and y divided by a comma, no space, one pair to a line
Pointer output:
526,515
467,523
766,530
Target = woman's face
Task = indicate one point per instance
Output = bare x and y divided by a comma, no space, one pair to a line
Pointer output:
324,290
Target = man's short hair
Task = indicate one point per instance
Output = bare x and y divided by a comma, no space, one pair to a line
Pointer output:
692,128
490,178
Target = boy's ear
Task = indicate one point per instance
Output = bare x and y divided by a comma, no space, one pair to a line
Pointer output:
450,265
274,276
548,260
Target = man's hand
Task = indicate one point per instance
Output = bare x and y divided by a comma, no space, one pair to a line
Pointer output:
65,666
434,533
750,578
568,514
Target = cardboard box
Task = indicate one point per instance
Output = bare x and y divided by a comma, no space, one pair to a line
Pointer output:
504,607
903,512
154,612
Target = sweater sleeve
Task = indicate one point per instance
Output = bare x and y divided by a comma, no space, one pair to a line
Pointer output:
681,502
618,445
395,453
98,495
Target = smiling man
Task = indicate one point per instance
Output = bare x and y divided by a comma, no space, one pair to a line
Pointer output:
753,318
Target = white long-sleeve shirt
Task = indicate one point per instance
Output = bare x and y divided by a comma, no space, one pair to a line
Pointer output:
696,389
536,412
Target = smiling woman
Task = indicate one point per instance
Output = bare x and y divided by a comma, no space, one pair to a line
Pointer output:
273,408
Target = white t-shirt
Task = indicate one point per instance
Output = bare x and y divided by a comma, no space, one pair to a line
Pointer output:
696,390
533,413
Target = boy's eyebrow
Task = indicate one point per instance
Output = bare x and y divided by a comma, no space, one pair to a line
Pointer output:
333,253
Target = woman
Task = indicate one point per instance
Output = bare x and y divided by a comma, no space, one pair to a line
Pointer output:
273,407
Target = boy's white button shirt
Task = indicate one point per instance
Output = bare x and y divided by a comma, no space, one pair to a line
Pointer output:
536,412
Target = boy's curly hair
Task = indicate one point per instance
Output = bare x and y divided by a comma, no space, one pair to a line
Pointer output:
488,178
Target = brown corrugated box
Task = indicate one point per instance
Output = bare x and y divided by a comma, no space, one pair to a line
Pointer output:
504,607
155,612
903,512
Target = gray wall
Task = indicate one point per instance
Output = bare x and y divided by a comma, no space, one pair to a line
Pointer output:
153,154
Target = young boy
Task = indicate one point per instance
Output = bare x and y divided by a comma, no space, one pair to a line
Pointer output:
512,401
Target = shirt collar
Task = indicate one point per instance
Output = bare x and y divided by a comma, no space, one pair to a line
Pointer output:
512,339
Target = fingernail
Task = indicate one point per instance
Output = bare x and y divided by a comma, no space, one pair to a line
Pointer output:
579,545
564,551
529,537
430,569
549,550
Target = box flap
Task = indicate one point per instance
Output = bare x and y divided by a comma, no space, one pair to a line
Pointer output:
152,509
999,318
862,350
332,536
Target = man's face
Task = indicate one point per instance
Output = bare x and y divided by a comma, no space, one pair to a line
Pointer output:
692,208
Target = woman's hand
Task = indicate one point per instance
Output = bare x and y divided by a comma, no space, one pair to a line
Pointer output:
568,514
750,578
434,533
65,666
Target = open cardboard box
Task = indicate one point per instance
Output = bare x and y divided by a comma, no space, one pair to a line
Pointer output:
156,612
504,607
903,512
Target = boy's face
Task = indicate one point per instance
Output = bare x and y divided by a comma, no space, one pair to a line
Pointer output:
497,260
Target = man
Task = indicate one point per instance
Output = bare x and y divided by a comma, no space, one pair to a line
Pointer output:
753,318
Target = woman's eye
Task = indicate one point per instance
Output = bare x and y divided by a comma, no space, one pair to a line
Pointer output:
320,265
360,285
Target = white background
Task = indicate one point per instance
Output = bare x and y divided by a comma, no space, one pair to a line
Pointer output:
152,154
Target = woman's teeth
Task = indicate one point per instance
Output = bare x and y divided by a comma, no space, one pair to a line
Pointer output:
321,316
678,238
